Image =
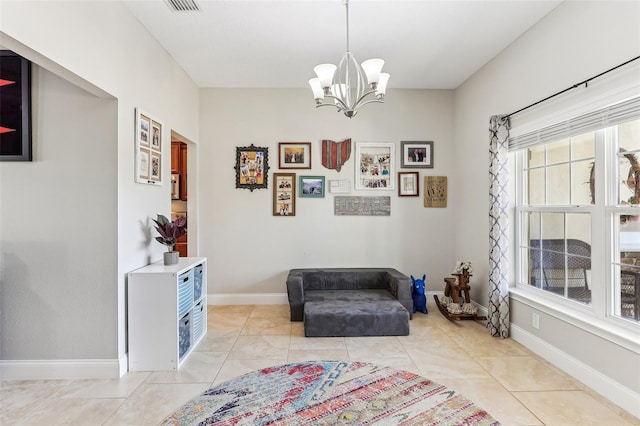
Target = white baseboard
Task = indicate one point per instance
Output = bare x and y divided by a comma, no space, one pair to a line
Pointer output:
70,369
604,385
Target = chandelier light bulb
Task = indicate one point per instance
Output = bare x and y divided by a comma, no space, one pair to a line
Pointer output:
318,93
325,74
372,69
381,90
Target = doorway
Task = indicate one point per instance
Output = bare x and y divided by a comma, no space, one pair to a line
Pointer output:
179,193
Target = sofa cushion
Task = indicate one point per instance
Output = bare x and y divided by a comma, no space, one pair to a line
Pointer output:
344,279
353,295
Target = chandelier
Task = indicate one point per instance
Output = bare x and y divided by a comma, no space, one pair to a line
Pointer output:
349,86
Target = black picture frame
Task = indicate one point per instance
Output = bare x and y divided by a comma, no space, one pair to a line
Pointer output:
252,167
15,107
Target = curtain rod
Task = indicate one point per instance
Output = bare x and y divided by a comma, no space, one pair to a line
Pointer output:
575,86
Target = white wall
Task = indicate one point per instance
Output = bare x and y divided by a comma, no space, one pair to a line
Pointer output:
251,251
99,46
574,42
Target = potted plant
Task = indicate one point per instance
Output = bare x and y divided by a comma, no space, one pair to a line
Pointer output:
169,233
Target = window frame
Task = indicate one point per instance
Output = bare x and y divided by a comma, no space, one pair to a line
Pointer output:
604,237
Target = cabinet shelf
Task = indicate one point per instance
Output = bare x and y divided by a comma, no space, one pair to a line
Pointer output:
167,313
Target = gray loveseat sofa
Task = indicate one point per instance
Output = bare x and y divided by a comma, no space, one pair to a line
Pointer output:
350,301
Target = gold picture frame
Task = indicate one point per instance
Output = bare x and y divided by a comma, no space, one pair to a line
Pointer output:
435,191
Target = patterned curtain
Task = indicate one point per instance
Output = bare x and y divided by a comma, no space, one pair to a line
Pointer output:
498,322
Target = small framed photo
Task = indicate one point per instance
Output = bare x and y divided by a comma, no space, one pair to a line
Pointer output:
156,135
252,166
294,155
284,194
408,184
311,186
375,165
417,154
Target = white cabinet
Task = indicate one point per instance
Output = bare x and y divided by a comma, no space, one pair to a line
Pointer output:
167,313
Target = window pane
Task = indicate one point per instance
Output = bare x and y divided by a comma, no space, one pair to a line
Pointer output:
534,225
558,259
579,227
629,135
536,156
626,289
558,152
580,190
536,187
552,226
628,178
557,185
583,146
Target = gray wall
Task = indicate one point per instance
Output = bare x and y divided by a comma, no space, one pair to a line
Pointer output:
57,215
251,251
74,268
574,42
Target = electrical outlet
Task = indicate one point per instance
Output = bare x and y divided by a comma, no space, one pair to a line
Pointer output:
535,321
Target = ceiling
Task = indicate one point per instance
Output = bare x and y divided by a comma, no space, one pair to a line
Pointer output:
426,44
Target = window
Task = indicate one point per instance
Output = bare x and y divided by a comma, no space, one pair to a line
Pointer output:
578,213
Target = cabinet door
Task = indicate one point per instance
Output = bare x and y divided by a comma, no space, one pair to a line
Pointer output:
183,171
181,246
175,157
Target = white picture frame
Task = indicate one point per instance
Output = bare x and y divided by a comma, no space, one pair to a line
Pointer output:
148,154
375,166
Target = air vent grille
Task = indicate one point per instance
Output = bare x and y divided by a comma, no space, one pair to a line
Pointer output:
183,5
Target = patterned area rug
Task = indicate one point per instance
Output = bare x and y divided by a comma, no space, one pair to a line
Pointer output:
330,393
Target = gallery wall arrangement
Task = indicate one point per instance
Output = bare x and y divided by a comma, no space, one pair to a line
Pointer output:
373,170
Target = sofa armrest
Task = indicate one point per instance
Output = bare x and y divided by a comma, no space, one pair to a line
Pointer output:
399,285
295,292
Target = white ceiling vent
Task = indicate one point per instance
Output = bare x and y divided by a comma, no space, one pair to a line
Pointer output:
183,5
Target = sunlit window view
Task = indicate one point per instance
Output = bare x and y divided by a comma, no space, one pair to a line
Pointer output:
557,217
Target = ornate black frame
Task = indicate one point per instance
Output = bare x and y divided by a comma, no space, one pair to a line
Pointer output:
265,167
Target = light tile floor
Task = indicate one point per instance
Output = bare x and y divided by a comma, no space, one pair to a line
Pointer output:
510,382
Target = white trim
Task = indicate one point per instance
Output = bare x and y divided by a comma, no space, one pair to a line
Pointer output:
622,337
70,369
615,87
248,299
605,386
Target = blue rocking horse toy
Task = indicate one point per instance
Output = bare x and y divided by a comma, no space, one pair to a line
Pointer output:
417,292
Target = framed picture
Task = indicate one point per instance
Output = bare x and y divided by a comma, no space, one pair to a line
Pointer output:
15,107
311,186
284,194
156,167
408,184
148,149
252,166
435,191
417,154
375,165
156,134
294,155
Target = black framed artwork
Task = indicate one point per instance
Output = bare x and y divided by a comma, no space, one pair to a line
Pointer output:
15,107
252,167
